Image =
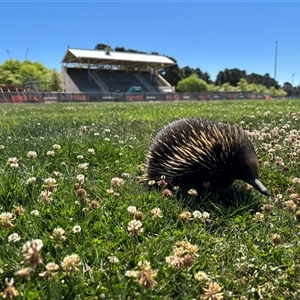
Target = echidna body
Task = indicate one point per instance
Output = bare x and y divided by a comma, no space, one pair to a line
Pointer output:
193,152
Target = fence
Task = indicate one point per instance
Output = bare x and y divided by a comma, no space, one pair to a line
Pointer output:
40,97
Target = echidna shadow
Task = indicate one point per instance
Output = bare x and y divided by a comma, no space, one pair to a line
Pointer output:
193,153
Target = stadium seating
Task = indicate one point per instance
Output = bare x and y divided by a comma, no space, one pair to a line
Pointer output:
80,79
103,80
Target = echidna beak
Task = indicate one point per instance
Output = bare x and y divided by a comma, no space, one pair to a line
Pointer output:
259,186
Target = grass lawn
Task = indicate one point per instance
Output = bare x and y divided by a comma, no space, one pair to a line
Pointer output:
76,223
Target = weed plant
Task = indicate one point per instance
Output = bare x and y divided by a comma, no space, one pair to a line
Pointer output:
77,223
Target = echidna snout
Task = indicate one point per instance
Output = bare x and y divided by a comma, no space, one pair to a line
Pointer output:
248,172
258,185
193,152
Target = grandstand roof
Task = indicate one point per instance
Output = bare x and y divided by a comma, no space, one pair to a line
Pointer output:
121,60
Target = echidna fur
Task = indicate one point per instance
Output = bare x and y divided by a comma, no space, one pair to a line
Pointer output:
191,152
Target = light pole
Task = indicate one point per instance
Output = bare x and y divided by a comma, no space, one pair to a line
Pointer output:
293,86
275,67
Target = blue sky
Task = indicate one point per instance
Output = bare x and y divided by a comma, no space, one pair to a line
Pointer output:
211,35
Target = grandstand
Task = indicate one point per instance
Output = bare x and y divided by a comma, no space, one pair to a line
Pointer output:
99,71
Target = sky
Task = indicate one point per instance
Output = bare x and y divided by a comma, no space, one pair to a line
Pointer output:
210,35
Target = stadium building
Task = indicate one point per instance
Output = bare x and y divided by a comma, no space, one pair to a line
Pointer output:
100,71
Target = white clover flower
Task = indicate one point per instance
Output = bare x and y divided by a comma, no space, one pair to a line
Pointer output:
192,192
205,216
52,267
58,234
50,153
83,129
135,227
45,194
32,154
259,216
1,147
113,259
83,167
36,244
13,162
295,180
6,219
13,238
79,156
31,180
156,213
117,181
76,229
197,214
91,151
50,271
35,212
126,175
110,191
50,182
130,273
57,174
131,209
56,147
201,276
80,178
71,263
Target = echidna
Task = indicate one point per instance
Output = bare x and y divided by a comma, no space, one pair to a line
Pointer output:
193,152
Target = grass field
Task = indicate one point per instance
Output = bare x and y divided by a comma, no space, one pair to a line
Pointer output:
76,223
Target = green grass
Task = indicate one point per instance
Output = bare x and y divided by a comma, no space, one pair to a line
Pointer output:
237,248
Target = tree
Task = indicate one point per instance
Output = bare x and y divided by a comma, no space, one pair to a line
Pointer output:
232,76
192,84
101,46
269,81
120,49
280,93
55,82
244,86
287,87
199,73
226,87
26,74
10,72
186,72
206,77
34,75
171,74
